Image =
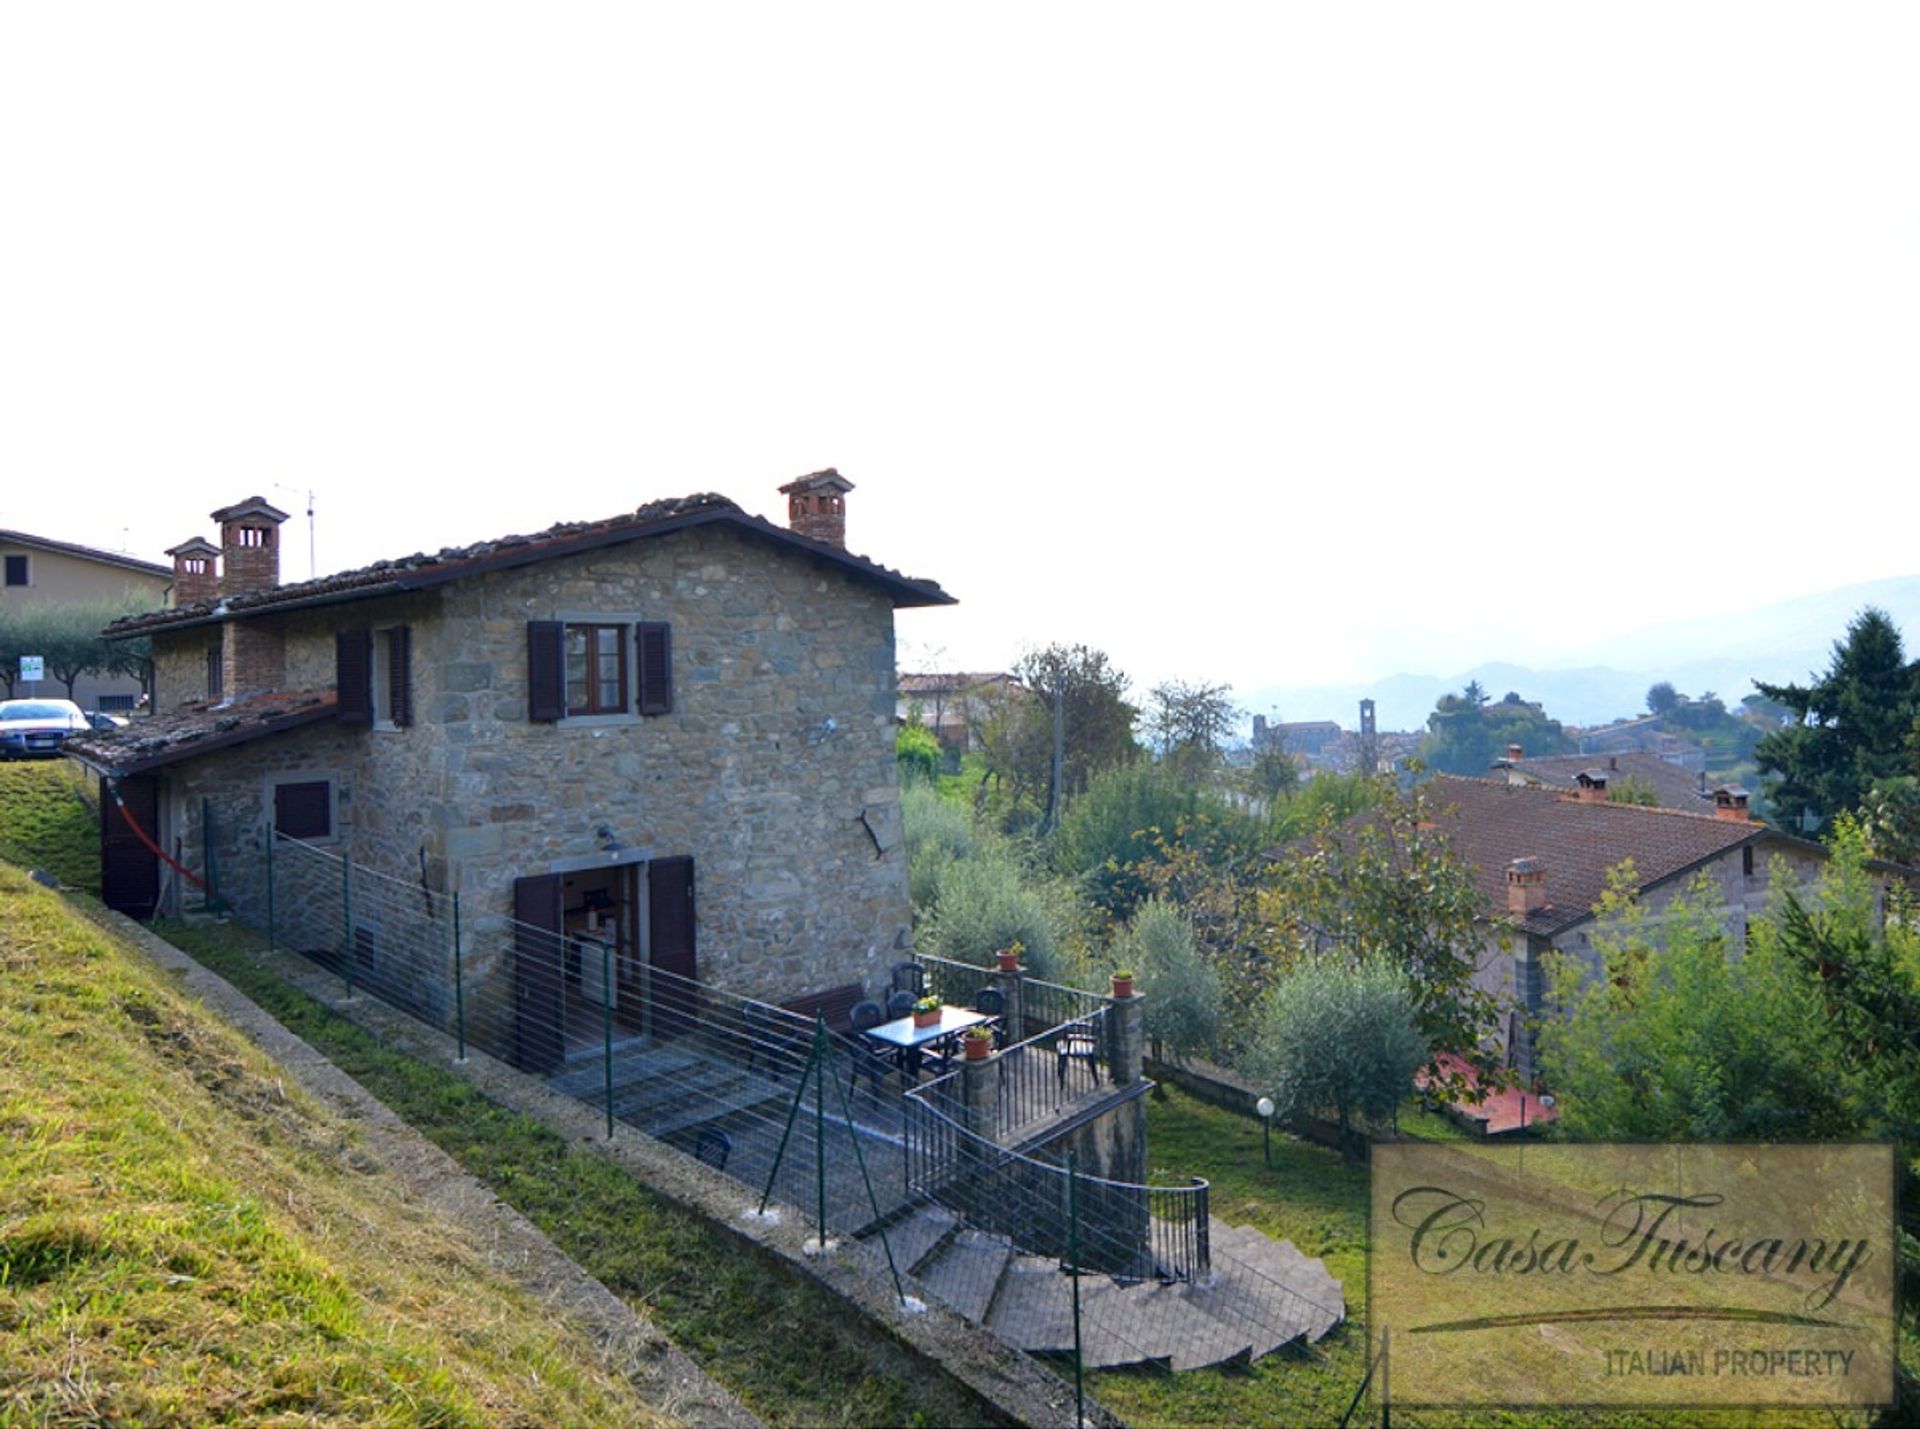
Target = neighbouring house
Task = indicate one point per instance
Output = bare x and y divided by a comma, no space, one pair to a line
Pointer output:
1309,738
1648,734
565,728
1601,776
955,706
39,571
1541,856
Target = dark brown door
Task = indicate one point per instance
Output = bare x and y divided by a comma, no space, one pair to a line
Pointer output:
129,870
539,978
670,954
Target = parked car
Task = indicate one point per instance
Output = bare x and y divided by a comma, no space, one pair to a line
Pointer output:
37,728
101,720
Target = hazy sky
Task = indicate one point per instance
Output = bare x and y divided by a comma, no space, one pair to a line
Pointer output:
1252,343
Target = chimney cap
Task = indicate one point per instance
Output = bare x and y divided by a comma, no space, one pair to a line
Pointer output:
252,506
1515,751
198,546
1592,776
1729,791
815,480
1526,868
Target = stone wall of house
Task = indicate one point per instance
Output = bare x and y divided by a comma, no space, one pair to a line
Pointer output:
793,823
180,666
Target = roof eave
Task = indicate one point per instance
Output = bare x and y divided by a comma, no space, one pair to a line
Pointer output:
181,754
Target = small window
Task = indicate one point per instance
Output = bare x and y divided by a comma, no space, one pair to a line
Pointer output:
256,536
16,570
216,678
1746,860
304,810
596,669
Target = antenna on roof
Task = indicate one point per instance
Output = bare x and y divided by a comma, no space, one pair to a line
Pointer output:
313,565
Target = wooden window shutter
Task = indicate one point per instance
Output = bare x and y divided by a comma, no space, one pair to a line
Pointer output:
304,811
353,675
400,675
546,670
655,665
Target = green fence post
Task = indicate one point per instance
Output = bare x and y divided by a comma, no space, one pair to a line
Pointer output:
1386,1378
1073,1254
272,834
346,923
820,1121
459,986
606,1020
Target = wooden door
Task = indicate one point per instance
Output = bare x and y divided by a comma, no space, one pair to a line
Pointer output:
539,978
670,950
129,870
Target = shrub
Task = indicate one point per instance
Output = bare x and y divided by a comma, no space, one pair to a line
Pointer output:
1338,1039
1184,1005
938,833
984,903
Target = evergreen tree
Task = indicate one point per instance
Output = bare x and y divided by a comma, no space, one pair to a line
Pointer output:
1849,726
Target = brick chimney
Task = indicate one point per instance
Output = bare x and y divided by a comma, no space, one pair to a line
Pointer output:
1515,752
1526,886
249,546
1590,786
817,506
1730,802
195,577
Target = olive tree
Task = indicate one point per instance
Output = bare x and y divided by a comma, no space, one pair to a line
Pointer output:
1184,1004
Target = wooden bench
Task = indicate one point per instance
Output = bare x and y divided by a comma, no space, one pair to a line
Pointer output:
835,1005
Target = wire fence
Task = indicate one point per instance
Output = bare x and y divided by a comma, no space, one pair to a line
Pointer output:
967,1181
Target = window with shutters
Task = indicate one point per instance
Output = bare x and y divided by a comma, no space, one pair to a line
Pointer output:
16,570
303,809
392,677
595,668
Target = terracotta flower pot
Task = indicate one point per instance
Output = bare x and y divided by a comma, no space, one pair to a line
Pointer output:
977,1047
1009,960
927,1019
1123,987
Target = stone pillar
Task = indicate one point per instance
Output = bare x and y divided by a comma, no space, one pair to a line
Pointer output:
980,1094
1126,1037
1010,985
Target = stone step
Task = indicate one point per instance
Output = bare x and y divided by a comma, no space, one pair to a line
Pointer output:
1034,1310
1301,1290
914,1238
965,1272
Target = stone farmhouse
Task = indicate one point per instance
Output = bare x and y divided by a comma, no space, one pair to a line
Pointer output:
954,706
40,571
574,728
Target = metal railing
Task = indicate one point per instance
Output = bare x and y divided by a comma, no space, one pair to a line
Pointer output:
1127,1231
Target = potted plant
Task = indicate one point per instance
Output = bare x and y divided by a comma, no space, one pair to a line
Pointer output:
926,1012
978,1041
1010,956
1123,982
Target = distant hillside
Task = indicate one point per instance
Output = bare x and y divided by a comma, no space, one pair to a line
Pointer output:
1608,679
185,1240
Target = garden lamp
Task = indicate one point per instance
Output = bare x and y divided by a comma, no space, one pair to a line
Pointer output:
1265,1107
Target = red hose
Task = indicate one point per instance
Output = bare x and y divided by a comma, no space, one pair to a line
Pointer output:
148,843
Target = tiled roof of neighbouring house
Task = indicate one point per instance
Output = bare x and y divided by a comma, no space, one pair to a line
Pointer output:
1491,824
1673,786
153,741
950,684
421,571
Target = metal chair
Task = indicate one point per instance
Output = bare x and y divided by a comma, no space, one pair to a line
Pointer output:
909,977
992,1002
1078,1043
900,1004
868,1061
713,1146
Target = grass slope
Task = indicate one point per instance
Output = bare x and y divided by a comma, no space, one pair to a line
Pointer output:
46,823
791,1351
182,1240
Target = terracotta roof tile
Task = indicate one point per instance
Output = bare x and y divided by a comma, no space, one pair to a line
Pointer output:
422,570
153,741
1673,786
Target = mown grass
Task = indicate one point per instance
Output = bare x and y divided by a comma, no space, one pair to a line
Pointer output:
183,1241
46,822
1313,1198
792,1352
